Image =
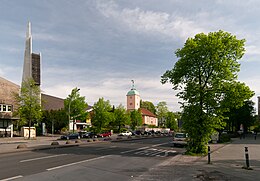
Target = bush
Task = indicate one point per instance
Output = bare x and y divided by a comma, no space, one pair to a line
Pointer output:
224,138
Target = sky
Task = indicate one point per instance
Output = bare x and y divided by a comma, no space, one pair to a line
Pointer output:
99,46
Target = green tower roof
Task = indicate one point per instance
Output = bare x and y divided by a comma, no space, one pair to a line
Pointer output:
132,92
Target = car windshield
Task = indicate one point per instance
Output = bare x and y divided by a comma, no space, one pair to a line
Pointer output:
180,135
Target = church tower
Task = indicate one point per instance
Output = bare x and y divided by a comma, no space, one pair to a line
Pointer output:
32,61
133,98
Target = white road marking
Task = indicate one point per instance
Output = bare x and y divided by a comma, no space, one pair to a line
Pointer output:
159,144
41,158
134,150
75,163
12,178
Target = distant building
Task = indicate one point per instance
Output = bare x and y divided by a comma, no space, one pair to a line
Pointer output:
133,103
133,99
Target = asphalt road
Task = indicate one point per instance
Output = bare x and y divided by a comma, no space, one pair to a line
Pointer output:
126,160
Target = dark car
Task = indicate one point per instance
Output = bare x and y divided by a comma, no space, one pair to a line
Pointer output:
89,135
70,136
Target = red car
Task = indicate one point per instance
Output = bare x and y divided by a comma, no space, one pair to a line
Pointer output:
106,134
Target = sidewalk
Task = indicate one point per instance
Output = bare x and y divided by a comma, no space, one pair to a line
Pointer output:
227,161
9,145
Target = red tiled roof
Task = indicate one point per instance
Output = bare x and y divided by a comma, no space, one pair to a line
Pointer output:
146,112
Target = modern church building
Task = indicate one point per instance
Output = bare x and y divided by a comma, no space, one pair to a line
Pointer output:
31,69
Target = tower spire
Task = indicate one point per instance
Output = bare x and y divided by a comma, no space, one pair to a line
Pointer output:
27,66
133,85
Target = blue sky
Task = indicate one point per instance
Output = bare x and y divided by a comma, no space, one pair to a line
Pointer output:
100,46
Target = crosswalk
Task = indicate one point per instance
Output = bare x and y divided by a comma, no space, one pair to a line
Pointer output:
152,152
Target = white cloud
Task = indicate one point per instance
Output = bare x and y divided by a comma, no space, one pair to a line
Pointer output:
155,23
252,50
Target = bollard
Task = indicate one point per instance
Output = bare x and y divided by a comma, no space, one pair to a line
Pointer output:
208,154
247,157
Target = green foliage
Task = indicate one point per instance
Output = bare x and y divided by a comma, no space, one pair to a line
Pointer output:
121,118
75,106
29,105
224,138
171,121
102,114
136,119
148,105
243,115
161,110
205,75
56,118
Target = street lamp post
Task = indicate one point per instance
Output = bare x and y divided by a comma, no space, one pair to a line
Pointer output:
69,111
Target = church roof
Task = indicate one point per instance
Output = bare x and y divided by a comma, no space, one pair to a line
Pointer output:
146,112
132,92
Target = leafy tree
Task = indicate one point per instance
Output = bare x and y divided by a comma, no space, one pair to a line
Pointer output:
136,119
55,119
162,111
171,121
102,114
148,105
75,106
121,117
206,77
243,115
29,104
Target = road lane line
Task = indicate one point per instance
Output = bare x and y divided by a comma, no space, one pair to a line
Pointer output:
159,144
75,163
40,158
134,150
12,178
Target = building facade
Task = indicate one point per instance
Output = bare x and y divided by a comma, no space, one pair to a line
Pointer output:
133,103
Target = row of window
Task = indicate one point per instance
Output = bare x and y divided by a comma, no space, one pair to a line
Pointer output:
5,108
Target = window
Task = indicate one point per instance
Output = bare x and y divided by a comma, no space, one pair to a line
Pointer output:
9,108
131,104
4,108
130,97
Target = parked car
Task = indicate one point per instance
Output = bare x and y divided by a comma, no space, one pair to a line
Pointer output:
125,133
180,139
89,135
105,134
70,136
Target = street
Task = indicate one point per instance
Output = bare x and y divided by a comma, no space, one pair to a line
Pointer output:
95,161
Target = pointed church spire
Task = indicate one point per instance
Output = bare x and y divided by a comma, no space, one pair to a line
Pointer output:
28,33
27,66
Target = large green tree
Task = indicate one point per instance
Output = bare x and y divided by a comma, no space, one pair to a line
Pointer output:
121,118
162,110
243,115
75,106
205,76
148,105
136,119
102,114
29,104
